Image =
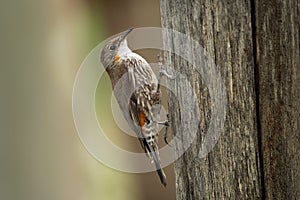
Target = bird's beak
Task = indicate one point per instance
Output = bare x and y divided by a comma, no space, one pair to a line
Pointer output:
124,35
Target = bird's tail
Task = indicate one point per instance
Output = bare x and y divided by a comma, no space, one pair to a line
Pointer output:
154,156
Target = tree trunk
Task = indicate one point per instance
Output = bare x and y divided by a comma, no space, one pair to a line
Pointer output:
255,48
277,62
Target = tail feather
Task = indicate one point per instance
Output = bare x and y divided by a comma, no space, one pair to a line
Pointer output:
154,156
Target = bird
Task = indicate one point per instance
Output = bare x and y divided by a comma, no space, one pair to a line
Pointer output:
136,89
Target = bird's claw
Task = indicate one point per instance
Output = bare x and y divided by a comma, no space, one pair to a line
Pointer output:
166,124
163,71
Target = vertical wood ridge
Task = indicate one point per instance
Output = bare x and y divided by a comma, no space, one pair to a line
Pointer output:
260,162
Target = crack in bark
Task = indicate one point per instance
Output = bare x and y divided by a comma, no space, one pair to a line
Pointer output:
257,107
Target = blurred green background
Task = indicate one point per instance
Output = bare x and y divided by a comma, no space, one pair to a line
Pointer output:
42,46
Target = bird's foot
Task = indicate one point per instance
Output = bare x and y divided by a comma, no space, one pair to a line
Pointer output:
163,71
166,124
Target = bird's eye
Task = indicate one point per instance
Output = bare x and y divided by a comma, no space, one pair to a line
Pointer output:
112,47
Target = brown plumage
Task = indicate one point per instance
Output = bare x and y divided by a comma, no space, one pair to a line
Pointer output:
135,88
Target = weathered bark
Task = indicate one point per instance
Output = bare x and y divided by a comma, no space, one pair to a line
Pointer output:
231,170
278,62
261,89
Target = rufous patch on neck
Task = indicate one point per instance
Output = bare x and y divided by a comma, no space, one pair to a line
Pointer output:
117,58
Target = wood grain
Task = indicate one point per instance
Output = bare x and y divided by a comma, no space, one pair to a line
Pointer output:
278,62
231,170
255,46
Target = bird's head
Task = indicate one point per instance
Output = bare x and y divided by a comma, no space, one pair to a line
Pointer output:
114,49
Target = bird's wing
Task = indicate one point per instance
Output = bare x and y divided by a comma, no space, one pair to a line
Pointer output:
144,107
138,117
144,103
